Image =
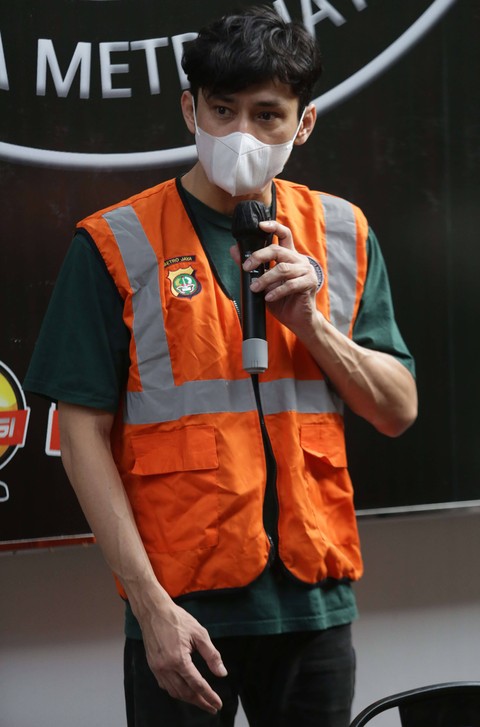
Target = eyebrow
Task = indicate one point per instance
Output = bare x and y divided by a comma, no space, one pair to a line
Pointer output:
266,103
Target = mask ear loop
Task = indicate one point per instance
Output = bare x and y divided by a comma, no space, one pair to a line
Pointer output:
299,123
194,114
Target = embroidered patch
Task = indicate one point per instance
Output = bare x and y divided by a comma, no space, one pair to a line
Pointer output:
184,283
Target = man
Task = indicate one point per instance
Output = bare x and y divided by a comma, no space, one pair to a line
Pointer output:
220,500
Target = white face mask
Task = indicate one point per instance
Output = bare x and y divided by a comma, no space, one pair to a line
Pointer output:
240,163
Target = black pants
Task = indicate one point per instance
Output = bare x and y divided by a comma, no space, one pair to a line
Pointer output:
298,679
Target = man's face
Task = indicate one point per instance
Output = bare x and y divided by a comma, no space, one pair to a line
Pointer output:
267,111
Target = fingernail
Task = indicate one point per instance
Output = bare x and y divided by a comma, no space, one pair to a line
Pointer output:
254,285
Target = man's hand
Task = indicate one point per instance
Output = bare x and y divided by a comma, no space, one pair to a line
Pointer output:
171,636
290,285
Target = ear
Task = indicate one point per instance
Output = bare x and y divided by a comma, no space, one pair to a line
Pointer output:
308,123
187,110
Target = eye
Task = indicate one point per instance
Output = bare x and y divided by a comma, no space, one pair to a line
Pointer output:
222,111
268,116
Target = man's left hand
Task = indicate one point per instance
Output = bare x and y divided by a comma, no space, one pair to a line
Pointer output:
290,286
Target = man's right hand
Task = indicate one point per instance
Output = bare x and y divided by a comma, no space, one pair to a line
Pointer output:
171,636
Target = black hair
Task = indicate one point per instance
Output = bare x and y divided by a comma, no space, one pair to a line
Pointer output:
251,47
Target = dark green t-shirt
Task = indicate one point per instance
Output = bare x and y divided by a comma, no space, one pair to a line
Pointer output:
81,357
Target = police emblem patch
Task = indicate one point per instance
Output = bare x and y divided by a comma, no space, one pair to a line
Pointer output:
183,282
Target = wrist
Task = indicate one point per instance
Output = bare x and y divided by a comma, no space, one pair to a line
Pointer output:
146,596
313,330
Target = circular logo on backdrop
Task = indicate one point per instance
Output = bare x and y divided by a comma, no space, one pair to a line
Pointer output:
14,416
101,89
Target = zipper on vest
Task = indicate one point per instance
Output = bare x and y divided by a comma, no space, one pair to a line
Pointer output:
270,502
237,309
272,553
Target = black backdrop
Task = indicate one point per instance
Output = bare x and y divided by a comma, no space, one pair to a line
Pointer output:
404,146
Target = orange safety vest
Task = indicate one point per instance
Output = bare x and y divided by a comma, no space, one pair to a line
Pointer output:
188,440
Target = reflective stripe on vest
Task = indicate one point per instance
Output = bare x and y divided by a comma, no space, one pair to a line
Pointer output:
341,236
160,399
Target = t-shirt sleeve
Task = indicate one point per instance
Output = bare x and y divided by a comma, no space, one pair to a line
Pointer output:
82,352
375,327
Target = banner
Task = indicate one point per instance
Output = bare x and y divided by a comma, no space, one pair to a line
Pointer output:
90,114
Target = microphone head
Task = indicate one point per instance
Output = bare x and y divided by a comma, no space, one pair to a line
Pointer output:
246,217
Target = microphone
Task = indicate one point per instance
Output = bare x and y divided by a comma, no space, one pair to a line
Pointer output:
249,237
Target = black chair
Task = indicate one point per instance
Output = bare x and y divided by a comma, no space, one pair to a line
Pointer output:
454,704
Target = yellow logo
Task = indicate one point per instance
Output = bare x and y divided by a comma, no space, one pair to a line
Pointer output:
184,283
14,415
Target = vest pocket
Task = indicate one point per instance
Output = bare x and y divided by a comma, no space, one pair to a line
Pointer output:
325,441
176,496
328,484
